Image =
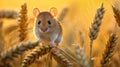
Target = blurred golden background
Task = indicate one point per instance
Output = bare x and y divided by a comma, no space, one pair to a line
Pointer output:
78,19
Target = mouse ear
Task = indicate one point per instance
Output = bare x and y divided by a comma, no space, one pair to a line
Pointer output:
36,12
53,11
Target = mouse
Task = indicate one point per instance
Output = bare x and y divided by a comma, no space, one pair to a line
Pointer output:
47,27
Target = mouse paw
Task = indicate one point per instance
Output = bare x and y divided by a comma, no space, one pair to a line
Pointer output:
52,44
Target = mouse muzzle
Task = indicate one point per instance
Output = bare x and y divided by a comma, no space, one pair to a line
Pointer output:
44,29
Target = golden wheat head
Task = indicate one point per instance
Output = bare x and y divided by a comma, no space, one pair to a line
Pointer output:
10,14
61,59
1,36
16,50
81,57
23,23
39,51
109,51
116,14
96,23
62,14
94,30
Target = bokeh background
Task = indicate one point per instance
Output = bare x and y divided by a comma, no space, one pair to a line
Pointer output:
78,19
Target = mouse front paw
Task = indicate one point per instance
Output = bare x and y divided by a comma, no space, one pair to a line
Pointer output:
52,44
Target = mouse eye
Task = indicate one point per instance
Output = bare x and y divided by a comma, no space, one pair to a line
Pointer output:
39,22
49,22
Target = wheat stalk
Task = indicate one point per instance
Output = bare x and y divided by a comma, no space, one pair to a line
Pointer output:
79,56
61,59
109,51
16,50
8,14
62,14
23,23
40,51
94,30
82,38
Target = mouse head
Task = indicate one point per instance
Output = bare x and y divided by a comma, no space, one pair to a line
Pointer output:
45,21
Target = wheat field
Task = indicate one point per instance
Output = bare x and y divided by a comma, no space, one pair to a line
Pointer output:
91,34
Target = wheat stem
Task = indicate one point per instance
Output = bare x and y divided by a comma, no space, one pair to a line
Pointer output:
91,41
82,39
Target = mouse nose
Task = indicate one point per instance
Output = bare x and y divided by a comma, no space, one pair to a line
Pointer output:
44,29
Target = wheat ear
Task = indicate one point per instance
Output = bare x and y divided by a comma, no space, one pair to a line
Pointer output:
116,14
16,50
39,51
94,30
1,37
23,23
81,57
109,51
61,59
62,14
10,14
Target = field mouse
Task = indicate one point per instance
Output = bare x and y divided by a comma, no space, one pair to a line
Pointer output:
47,28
